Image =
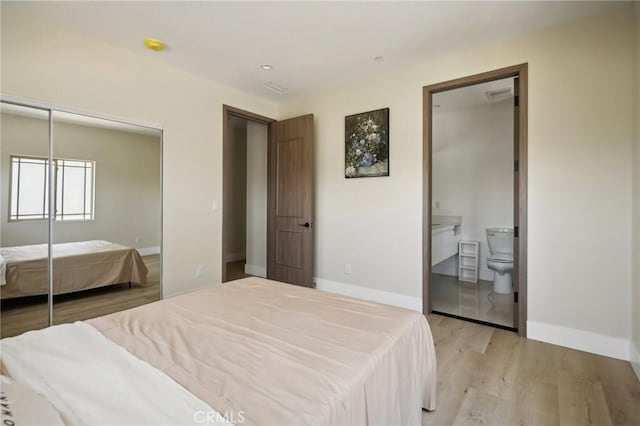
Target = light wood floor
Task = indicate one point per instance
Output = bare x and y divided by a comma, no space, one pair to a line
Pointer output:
488,376
18,316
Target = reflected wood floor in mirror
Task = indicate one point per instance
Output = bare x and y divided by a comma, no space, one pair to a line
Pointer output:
495,377
18,316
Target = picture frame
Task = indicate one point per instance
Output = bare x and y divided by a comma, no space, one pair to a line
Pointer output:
366,144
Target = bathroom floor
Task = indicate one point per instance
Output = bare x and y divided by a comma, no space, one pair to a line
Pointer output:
471,300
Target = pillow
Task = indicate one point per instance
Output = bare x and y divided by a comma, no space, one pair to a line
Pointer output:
20,406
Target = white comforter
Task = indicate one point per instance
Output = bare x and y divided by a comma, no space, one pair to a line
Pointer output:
93,381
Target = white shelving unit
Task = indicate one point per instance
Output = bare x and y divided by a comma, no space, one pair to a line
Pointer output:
468,260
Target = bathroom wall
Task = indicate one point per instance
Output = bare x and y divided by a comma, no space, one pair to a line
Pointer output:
473,172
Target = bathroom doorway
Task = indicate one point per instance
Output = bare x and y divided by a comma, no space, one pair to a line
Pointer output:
474,198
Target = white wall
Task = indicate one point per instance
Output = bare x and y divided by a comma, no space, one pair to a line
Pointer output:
88,74
472,173
127,173
234,222
635,250
579,174
256,199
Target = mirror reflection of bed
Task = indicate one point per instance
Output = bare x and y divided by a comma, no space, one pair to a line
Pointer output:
106,230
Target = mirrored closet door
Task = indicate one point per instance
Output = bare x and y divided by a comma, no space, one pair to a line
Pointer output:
105,222
24,228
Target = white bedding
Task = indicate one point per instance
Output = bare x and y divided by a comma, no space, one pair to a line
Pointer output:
93,381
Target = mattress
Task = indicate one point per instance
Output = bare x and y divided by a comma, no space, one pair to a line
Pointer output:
77,266
275,353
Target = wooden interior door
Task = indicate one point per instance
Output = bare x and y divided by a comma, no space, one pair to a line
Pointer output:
290,201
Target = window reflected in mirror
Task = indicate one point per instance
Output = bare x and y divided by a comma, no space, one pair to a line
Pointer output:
24,195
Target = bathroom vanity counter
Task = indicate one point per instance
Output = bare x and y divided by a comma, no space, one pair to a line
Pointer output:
445,222
445,235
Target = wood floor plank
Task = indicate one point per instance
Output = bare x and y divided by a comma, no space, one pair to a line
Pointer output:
516,381
478,408
453,384
582,401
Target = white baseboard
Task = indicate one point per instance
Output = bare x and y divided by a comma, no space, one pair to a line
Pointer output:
634,358
380,296
234,257
148,251
256,270
614,347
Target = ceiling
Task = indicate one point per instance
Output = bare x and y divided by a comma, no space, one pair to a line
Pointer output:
313,46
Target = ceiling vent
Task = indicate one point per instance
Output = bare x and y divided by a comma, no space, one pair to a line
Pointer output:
275,87
496,95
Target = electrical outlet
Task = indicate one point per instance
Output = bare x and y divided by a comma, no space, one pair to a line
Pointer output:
199,271
138,239
347,268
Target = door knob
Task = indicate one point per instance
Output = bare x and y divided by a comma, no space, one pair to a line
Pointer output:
306,224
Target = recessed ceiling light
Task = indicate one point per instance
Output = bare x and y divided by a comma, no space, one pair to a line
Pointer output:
154,44
379,58
266,67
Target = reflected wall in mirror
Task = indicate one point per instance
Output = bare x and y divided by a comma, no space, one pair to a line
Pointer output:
24,232
106,226
106,221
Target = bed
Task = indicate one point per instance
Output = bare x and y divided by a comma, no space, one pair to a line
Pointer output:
255,352
77,266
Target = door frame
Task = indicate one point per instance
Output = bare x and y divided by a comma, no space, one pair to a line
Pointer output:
228,111
520,154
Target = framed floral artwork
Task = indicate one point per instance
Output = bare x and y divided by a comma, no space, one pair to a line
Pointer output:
366,144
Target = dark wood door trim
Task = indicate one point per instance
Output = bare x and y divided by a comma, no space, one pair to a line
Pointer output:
228,111
520,71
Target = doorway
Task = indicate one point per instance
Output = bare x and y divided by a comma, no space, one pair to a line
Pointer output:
474,198
244,218
267,211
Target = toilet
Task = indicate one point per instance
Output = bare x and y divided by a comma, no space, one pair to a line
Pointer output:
500,259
